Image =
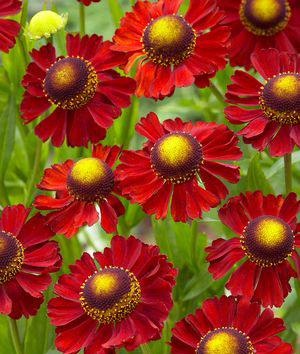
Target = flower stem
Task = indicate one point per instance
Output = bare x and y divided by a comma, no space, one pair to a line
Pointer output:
217,93
82,19
288,172
145,349
194,240
15,336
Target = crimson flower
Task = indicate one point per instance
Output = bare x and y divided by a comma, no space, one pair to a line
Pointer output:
176,50
257,24
124,303
179,159
9,29
79,187
268,235
86,94
229,325
26,259
274,115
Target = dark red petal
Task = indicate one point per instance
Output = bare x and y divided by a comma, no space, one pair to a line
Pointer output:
159,202
5,301
109,154
276,147
55,178
44,57
295,134
33,284
109,217
13,218
233,215
43,202
246,316
266,62
150,127
237,115
171,6
62,311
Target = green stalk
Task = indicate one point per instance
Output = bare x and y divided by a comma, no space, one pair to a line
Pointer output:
145,349
21,40
3,194
217,93
115,11
82,19
194,240
288,172
15,336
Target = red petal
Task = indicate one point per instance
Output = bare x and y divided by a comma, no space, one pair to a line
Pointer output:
13,218
109,218
266,62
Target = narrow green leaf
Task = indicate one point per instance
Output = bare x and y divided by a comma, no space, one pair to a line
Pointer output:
256,179
115,11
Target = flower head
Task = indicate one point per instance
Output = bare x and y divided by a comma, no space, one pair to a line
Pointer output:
268,235
274,114
79,187
9,29
175,51
26,259
175,158
229,325
122,303
257,24
86,93
45,23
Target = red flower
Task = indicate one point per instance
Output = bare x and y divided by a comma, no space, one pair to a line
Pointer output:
26,259
88,95
177,51
257,24
268,233
79,186
8,29
88,2
176,156
124,303
229,325
276,123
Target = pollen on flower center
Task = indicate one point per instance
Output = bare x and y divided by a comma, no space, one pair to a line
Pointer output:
225,340
265,17
267,240
70,82
168,40
280,98
90,180
11,256
176,157
110,295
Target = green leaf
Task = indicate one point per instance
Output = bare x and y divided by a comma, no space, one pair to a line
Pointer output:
279,164
256,179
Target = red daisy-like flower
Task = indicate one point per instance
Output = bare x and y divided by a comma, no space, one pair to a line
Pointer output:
176,159
9,29
88,2
274,119
257,24
80,187
26,259
176,51
124,303
86,93
268,234
229,326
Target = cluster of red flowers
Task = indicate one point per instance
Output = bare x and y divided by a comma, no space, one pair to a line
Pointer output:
121,297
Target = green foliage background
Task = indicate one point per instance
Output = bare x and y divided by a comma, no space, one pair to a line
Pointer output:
23,158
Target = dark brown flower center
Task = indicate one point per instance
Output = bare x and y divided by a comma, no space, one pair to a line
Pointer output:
11,256
267,240
225,340
90,180
168,40
265,17
280,98
110,295
70,82
176,157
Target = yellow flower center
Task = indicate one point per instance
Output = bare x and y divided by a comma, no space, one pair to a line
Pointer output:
265,17
267,240
225,341
280,98
168,40
70,83
11,256
90,180
176,157
110,295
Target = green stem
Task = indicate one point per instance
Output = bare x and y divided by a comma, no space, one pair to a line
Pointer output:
194,240
37,158
217,93
115,11
15,336
3,194
288,172
145,349
82,19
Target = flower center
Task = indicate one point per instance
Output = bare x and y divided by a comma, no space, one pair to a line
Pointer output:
90,180
70,83
110,295
168,40
280,98
11,256
265,17
267,240
225,340
176,157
